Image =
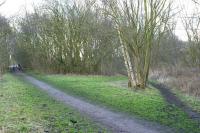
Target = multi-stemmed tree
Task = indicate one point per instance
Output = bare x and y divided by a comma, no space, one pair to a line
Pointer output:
140,25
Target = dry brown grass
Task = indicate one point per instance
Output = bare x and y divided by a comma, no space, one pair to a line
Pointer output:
185,79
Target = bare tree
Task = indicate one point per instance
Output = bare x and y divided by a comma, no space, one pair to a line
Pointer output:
2,2
5,31
192,27
63,37
140,25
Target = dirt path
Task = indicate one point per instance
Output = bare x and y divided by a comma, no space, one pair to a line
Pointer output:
171,98
115,122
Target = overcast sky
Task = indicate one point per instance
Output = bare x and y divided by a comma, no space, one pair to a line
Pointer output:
17,7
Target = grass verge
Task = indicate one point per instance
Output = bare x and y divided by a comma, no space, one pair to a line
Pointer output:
147,104
26,109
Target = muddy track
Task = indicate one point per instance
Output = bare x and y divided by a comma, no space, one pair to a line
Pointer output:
171,98
113,121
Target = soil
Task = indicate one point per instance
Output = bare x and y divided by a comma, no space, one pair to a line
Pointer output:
171,98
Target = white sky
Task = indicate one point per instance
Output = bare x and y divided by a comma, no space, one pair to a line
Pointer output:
17,7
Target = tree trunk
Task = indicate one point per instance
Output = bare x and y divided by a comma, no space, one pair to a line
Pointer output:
128,64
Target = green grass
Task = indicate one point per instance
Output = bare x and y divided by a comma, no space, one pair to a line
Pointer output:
147,104
26,109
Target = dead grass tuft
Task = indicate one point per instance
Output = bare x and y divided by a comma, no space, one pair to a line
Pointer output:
185,79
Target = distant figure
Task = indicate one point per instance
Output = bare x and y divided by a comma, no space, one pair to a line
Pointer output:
12,68
15,68
19,67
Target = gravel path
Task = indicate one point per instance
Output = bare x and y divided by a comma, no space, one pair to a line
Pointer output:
113,121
